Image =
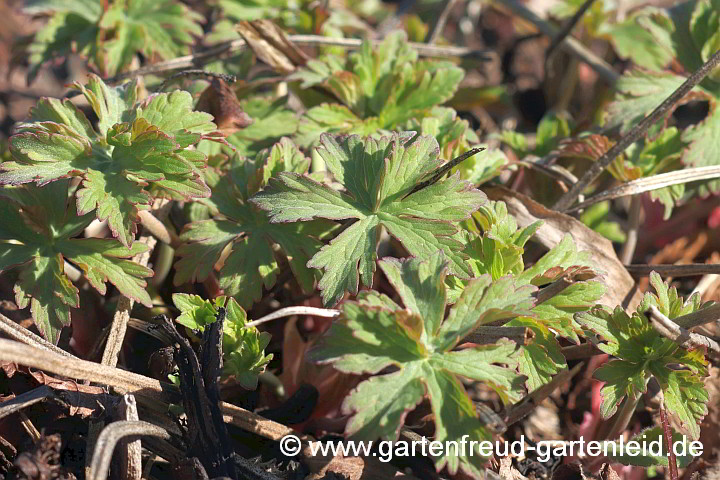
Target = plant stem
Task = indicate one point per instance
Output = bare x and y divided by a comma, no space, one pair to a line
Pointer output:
441,21
689,270
622,418
634,214
569,44
567,28
701,317
667,433
290,311
234,46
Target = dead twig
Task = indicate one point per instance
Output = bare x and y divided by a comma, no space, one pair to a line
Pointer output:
441,21
153,393
701,317
235,46
567,28
111,435
25,400
636,132
22,334
683,337
689,270
568,44
121,380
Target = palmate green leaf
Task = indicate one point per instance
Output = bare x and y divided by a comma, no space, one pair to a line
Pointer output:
379,176
37,237
552,128
272,120
496,248
374,333
497,245
542,358
139,151
245,232
643,353
455,137
243,347
377,89
111,35
689,32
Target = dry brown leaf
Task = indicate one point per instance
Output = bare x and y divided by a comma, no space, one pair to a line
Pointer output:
332,385
356,468
220,101
623,290
271,45
608,473
508,472
82,400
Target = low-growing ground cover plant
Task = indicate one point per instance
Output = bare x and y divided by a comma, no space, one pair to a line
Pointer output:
162,235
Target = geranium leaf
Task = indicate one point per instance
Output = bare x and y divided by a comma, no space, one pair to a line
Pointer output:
374,333
136,146
246,232
39,253
379,176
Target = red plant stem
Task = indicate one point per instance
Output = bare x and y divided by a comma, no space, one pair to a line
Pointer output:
669,443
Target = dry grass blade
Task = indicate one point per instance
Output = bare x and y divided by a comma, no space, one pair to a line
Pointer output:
271,45
690,270
636,132
642,185
111,435
24,400
22,334
291,311
686,339
235,46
